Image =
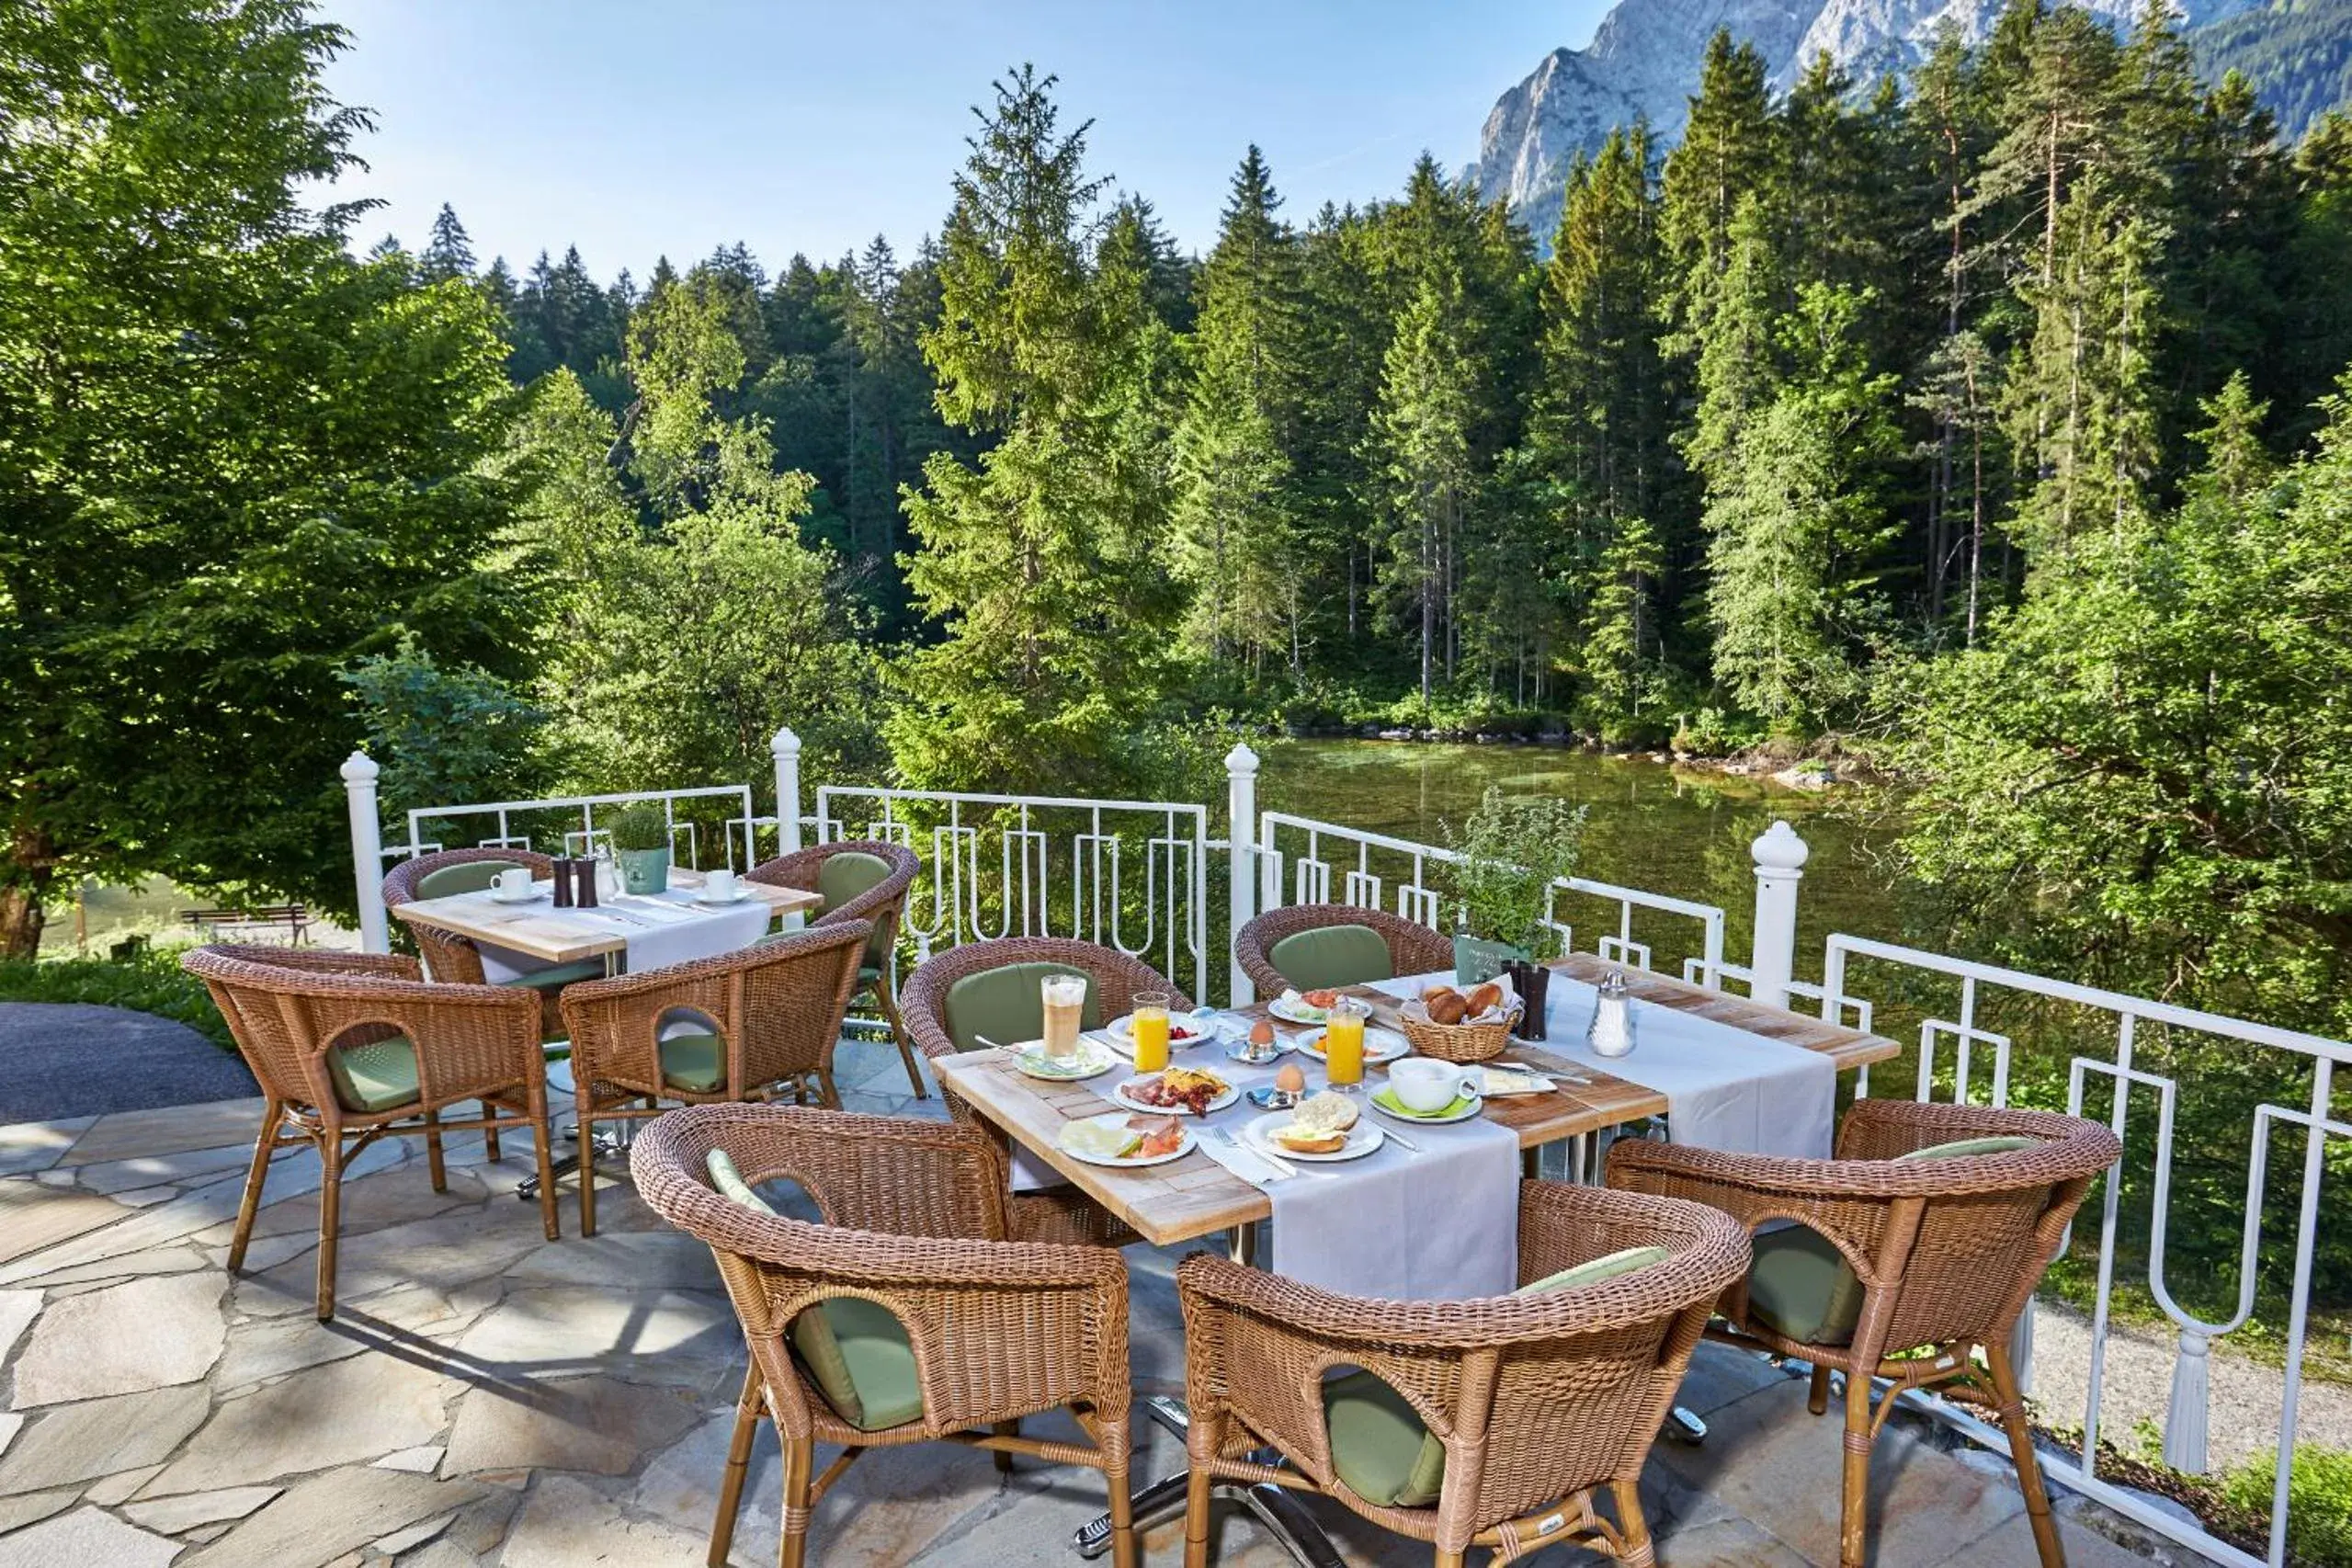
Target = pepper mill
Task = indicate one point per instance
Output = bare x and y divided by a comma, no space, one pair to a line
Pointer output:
584,871
559,877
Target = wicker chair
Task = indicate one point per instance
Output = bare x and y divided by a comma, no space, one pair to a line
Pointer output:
1413,948
772,1014
321,1030
883,903
1936,1254
1057,1214
1539,1400
449,957
914,1220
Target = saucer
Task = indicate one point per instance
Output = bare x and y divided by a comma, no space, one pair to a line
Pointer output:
737,895
535,893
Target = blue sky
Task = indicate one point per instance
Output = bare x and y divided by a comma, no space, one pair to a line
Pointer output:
675,126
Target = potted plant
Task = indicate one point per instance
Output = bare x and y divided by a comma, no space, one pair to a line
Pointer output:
1511,853
640,843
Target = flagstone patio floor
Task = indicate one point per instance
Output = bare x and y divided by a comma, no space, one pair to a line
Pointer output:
487,1397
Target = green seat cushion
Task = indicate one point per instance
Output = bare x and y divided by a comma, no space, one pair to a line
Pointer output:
1379,1444
466,875
1005,1004
846,873
1598,1269
381,1076
555,977
695,1063
1801,1286
1332,956
855,1350
1969,1148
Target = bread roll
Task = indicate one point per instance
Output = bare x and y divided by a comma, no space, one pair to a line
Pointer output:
1483,999
1446,1007
1326,1112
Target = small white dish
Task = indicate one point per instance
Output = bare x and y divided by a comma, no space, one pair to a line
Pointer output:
736,894
533,895
1291,1012
1362,1139
1216,1103
1380,1045
1119,1118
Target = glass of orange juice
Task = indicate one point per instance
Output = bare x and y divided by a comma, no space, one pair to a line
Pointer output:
1149,1023
1343,1042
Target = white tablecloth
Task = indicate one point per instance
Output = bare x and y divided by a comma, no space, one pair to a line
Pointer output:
1725,1088
660,928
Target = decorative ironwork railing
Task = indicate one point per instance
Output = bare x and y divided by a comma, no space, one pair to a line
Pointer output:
1128,874
2115,1084
1345,865
549,822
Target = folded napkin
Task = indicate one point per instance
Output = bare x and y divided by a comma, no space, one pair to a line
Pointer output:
1241,1161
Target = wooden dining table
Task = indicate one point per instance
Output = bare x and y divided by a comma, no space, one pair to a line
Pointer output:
1195,1197
563,936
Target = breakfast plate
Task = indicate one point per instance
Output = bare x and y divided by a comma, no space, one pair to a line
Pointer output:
1384,1100
1134,1092
1292,1008
1183,1030
1092,1060
1113,1142
1380,1045
1361,1140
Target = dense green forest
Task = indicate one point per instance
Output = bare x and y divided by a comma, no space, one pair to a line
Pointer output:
2295,53
1981,420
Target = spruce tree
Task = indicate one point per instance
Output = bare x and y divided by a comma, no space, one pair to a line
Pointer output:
1421,434
448,253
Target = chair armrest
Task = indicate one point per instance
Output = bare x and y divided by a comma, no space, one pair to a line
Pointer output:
325,961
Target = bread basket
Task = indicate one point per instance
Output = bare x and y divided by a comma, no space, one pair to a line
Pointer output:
1453,1042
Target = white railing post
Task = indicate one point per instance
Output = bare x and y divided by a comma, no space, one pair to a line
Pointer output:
1779,857
785,748
1240,804
359,772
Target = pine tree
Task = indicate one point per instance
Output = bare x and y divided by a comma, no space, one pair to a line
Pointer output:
1726,154
449,252
1042,567
1235,526
1421,433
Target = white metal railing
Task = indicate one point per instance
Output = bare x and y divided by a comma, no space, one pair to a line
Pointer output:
584,839
1370,866
1083,844
2295,1055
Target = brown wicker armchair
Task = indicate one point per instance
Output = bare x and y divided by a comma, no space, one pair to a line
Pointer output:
1413,948
1904,1269
1057,1214
986,1330
769,1017
831,868
455,959
1538,1401
349,1047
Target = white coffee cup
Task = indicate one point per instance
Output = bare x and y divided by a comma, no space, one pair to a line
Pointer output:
515,882
719,886
1427,1085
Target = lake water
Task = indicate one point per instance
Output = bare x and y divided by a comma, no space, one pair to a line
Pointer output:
1664,829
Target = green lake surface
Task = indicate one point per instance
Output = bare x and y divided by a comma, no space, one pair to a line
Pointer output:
1684,832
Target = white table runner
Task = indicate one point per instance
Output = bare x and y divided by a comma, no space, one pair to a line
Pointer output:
1725,1088
660,929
